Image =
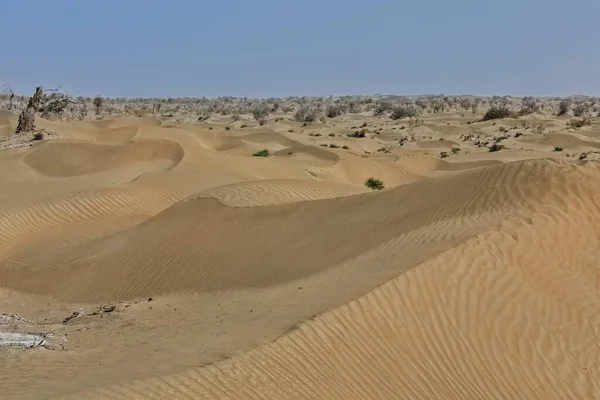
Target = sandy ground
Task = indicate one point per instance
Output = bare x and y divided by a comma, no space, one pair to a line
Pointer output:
164,261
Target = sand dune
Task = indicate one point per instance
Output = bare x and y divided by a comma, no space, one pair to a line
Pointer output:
284,277
63,159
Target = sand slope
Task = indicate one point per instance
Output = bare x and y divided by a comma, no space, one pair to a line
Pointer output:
240,277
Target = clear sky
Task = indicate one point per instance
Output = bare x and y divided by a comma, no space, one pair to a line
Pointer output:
264,48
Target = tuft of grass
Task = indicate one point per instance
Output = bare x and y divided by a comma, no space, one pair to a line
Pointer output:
444,154
455,150
345,147
558,148
334,146
38,136
261,153
374,184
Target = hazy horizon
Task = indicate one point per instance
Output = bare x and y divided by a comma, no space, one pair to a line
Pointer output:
316,49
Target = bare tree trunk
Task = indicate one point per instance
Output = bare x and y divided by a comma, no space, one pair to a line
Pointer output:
26,121
27,116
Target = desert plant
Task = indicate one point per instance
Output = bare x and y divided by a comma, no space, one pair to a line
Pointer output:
557,148
335,110
99,103
345,147
38,136
563,107
496,112
357,134
578,123
455,150
261,113
334,146
262,153
404,111
306,114
579,110
444,154
382,106
529,105
496,147
374,184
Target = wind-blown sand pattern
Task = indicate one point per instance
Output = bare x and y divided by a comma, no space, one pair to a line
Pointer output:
240,277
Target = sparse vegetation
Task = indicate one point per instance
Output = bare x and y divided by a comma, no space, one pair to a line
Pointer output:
557,148
455,150
563,107
404,111
374,184
38,135
357,134
98,104
307,114
578,123
497,113
262,153
496,147
335,110
261,113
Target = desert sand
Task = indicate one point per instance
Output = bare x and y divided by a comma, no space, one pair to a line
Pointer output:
158,259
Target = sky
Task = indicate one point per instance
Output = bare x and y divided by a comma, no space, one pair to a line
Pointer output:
278,48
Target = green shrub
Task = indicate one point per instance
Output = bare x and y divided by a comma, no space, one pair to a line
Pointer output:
334,146
345,147
498,112
262,153
374,184
444,154
455,150
38,136
557,148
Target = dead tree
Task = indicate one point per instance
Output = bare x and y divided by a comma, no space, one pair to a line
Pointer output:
27,116
47,105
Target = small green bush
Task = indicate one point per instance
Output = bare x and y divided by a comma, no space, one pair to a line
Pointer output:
345,147
262,153
557,148
455,150
374,184
38,136
498,112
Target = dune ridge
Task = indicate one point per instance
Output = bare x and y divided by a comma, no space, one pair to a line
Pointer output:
375,346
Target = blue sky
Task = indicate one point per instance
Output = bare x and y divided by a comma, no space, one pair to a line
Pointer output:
264,48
